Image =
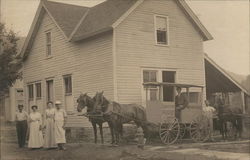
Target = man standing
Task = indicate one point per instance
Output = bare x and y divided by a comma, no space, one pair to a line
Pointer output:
60,119
181,102
21,126
208,112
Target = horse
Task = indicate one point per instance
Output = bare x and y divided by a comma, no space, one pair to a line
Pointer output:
118,114
85,100
229,114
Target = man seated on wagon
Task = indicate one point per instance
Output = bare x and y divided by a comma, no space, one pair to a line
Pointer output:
181,102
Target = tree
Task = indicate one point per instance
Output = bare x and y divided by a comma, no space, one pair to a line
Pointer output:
10,63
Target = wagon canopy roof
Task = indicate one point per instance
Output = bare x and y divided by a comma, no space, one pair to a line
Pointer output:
171,84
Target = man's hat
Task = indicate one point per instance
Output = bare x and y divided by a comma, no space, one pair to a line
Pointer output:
58,102
20,106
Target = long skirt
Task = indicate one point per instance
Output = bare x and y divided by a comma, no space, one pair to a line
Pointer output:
35,136
49,138
59,132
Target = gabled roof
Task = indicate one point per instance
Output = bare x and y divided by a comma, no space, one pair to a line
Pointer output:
203,31
66,16
102,16
78,22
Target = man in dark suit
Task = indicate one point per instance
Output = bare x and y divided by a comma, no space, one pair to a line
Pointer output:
181,102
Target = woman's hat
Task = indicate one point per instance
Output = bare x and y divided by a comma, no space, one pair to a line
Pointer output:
34,106
58,102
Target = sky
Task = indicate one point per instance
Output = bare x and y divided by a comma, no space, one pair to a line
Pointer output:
226,20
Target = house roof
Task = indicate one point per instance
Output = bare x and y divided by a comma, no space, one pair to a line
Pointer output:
65,15
219,80
102,16
78,22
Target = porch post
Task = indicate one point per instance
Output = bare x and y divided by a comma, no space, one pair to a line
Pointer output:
243,101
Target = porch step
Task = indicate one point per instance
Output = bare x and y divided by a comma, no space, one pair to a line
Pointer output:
8,133
76,121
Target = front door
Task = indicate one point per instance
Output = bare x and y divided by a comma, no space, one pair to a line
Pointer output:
50,90
68,97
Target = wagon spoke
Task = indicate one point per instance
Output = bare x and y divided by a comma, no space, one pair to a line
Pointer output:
163,132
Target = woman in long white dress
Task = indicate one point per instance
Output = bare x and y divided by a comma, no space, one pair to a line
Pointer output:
49,138
60,119
35,136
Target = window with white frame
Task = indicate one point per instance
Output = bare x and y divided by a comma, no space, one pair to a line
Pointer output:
31,91
68,84
161,30
48,43
151,76
38,90
168,91
160,75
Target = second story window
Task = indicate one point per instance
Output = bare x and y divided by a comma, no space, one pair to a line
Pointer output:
68,85
48,43
161,30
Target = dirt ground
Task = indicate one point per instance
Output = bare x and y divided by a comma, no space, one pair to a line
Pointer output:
154,150
86,151
90,151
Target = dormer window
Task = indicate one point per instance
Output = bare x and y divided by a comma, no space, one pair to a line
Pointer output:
48,43
161,30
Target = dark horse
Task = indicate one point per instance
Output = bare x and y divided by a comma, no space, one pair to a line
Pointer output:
86,101
229,114
117,114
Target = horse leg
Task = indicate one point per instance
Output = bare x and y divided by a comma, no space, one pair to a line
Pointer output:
111,132
225,130
239,124
101,131
222,129
116,130
121,130
235,128
95,131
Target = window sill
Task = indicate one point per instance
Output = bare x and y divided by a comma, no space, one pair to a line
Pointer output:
31,99
162,45
38,98
49,57
168,102
68,94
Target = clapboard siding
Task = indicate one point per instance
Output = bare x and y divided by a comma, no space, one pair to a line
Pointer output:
89,62
135,48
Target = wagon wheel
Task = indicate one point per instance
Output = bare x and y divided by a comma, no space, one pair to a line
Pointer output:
169,131
199,129
182,130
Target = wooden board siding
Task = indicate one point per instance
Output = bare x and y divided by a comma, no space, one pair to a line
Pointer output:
135,49
89,62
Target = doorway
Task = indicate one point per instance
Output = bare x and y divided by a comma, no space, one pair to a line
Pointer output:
50,90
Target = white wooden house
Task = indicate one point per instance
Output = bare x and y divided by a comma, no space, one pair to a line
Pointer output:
112,47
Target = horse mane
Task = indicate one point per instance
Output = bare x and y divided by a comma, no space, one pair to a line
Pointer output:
105,103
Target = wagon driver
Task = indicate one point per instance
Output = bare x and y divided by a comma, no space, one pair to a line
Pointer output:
181,102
